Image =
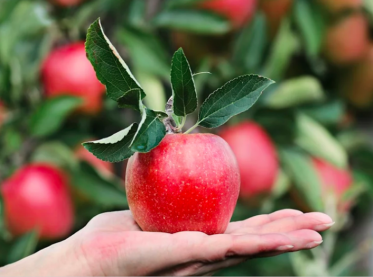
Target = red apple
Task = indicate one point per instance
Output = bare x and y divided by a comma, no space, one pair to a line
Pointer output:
187,183
275,11
37,197
66,3
336,6
238,12
256,157
357,85
334,180
105,168
347,41
67,71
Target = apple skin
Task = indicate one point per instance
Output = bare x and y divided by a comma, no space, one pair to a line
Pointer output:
341,5
105,168
187,183
275,11
238,12
67,71
333,179
66,3
347,41
256,157
37,197
357,86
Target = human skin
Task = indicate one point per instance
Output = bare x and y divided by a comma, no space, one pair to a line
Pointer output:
113,244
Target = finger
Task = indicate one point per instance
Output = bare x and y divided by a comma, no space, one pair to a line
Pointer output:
211,268
314,221
262,219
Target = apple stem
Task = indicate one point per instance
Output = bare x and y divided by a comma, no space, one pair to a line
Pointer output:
192,128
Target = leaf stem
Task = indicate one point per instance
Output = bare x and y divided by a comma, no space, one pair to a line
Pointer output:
192,128
182,123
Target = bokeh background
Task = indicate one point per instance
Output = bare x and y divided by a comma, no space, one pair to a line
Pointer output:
306,144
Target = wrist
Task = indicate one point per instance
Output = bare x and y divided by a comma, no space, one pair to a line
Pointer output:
62,258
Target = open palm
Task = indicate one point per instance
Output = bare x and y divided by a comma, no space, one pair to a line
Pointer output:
113,244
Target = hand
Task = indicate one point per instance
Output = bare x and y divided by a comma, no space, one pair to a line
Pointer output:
113,244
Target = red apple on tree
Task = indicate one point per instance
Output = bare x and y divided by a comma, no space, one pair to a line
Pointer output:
333,180
174,181
256,157
341,5
275,11
347,41
66,3
238,12
66,71
37,197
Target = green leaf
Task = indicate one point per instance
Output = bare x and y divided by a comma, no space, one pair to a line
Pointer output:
146,52
311,23
115,148
235,97
49,117
111,70
195,21
56,153
328,113
23,247
183,88
282,50
150,132
98,189
156,96
250,47
315,139
181,3
293,92
305,178
3,229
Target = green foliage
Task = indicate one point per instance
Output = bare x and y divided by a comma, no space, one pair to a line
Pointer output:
233,98
23,247
184,91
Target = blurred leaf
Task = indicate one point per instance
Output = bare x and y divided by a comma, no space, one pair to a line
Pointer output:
236,96
115,148
111,70
315,139
282,184
195,21
305,266
284,47
150,132
155,95
98,189
328,113
137,12
12,140
250,46
296,91
56,153
200,80
3,230
311,23
354,192
181,3
146,51
305,178
183,88
50,116
23,247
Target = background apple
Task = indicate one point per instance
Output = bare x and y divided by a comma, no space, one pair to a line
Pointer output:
341,5
37,197
347,40
275,11
256,157
67,3
177,187
238,12
67,71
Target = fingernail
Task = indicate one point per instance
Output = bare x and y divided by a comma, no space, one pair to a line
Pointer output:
284,247
323,226
314,244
